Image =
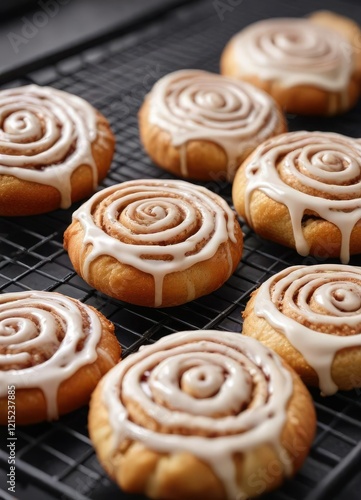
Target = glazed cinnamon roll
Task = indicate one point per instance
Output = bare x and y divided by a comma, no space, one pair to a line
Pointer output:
311,316
154,243
308,68
303,190
347,27
53,352
201,414
54,149
201,125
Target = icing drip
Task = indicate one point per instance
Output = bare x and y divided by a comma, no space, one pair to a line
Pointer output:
310,171
326,297
296,52
225,374
40,333
156,227
196,105
45,135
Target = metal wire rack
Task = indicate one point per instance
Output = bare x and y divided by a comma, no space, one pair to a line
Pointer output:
56,460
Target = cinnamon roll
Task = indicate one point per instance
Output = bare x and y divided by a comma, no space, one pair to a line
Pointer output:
311,316
54,149
306,67
201,125
303,190
201,414
154,243
53,352
348,28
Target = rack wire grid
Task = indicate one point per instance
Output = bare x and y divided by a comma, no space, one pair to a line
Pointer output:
56,460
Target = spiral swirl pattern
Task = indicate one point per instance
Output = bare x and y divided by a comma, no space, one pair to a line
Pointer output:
45,338
45,134
193,105
156,227
208,383
317,172
318,309
297,52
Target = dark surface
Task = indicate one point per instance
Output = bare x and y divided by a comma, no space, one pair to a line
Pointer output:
36,29
56,460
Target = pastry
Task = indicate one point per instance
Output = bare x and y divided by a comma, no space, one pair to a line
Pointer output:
154,243
201,414
303,190
53,352
347,28
311,316
306,67
54,149
201,125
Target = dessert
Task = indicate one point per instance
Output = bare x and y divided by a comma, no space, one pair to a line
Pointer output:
311,316
154,243
53,351
348,28
201,414
201,125
302,189
306,67
55,148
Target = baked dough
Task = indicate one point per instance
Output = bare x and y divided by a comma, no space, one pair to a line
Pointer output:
53,352
303,190
311,316
55,148
307,67
200,125
201,414
154,243
347,28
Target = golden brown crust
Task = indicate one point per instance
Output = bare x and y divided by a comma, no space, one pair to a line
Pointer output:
19,197
346,366
138,469
132,285
298,99
205,160
74,392
323,238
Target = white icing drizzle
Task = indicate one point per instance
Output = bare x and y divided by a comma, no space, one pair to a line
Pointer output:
45,135
326,163
295,52
197,375
197,105
337,288
28,325
140,217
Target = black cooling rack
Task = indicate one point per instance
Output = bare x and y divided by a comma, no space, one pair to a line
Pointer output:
56,460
